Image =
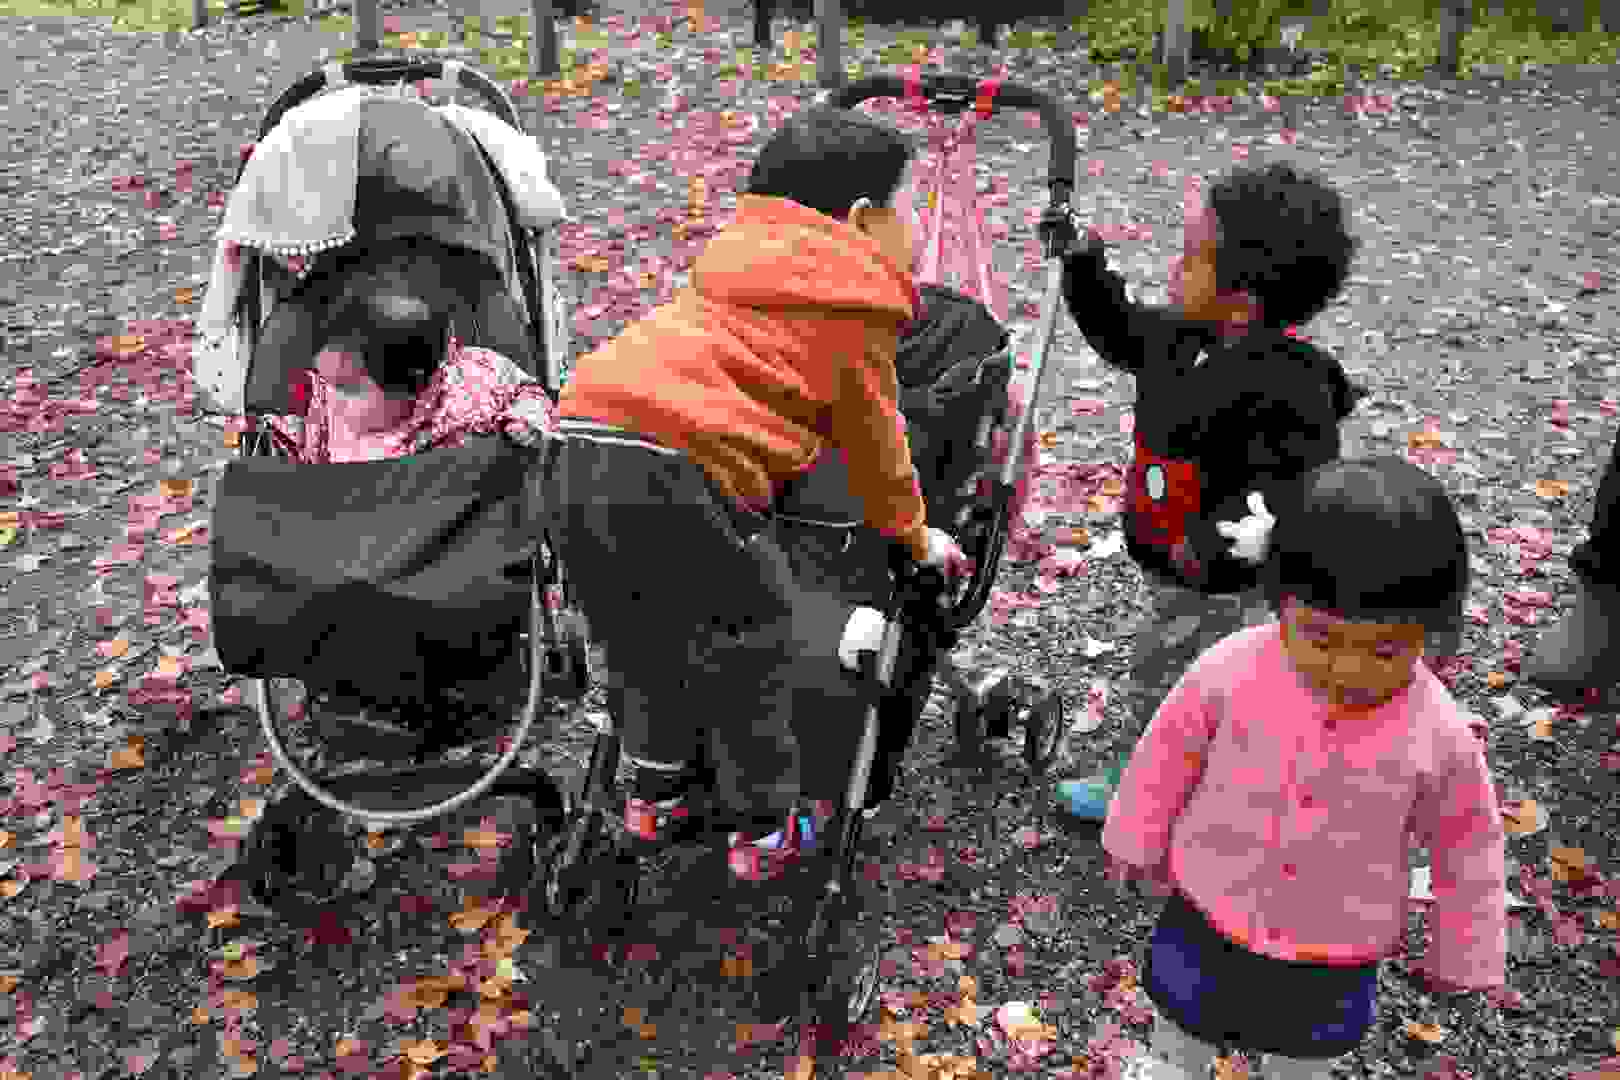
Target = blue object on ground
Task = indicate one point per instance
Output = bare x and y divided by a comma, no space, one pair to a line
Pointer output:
1087,798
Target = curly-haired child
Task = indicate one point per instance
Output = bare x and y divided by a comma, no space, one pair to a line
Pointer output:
1281,784
1228,403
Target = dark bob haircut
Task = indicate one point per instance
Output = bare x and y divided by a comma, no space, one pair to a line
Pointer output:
1283,239
1372,539
397,305
826,159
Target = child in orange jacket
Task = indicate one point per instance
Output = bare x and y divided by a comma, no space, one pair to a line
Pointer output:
677,436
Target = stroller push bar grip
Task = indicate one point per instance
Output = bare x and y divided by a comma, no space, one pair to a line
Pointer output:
966,88
383,71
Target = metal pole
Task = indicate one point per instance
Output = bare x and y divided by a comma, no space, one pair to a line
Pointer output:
367,28
830,44
199,14
762,28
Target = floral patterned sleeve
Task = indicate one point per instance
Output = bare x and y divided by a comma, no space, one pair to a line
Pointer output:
486,392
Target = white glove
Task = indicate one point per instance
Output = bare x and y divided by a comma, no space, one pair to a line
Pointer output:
1251,537
863,633
945,554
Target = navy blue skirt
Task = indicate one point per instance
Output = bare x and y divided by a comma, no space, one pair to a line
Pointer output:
1228,996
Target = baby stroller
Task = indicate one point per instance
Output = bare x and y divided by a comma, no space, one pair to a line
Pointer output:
955,368
420,581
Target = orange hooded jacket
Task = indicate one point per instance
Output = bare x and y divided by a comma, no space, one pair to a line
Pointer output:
783,343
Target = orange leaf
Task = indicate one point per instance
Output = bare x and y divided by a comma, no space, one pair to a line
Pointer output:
1231,1069
242,1000
425,1052
1567,864
967,986
1609,920
106,677
199,1015
1523,818
1429,1033
245,968
8,983
347,1046
1552,489
633,1015
7,839
10,888
128,344
112,650
183,296
251,808
223,917
1496,680
232,439
1424,440
177,488
130,756
472,916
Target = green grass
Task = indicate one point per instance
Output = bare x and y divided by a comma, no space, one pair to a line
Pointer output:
1364,33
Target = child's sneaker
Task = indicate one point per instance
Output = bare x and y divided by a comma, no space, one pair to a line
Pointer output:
1088,798
661,796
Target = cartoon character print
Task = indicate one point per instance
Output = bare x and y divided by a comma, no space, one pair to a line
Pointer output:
1164,496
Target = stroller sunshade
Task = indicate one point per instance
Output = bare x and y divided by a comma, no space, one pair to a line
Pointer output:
391,579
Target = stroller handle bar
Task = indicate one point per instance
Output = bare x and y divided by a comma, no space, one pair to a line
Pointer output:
381,71
957,92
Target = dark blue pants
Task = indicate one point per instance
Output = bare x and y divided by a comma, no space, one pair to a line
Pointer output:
1224,994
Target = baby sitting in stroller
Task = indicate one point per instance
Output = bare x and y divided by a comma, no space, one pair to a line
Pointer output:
391,377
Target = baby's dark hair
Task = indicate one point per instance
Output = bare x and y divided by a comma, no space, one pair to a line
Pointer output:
1283,239
826,158
395,306
1370,538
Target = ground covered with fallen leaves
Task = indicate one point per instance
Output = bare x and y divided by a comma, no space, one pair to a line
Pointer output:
1482,314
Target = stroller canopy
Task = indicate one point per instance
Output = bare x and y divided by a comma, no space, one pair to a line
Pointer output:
415,174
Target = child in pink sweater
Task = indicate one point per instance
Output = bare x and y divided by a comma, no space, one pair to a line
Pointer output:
1279,787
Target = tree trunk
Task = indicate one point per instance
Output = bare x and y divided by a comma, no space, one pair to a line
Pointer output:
1609,11
1174,56
199,14
546,61
1453,24
829,44
1563,16
367,28
762,26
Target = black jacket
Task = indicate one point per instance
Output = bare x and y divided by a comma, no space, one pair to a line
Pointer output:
1214,422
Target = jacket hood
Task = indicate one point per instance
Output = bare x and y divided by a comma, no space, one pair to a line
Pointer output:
779,254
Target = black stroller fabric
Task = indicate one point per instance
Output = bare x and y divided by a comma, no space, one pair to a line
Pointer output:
954,372
385,580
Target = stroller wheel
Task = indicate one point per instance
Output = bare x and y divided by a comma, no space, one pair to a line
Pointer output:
585,878
1043,730
842,964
